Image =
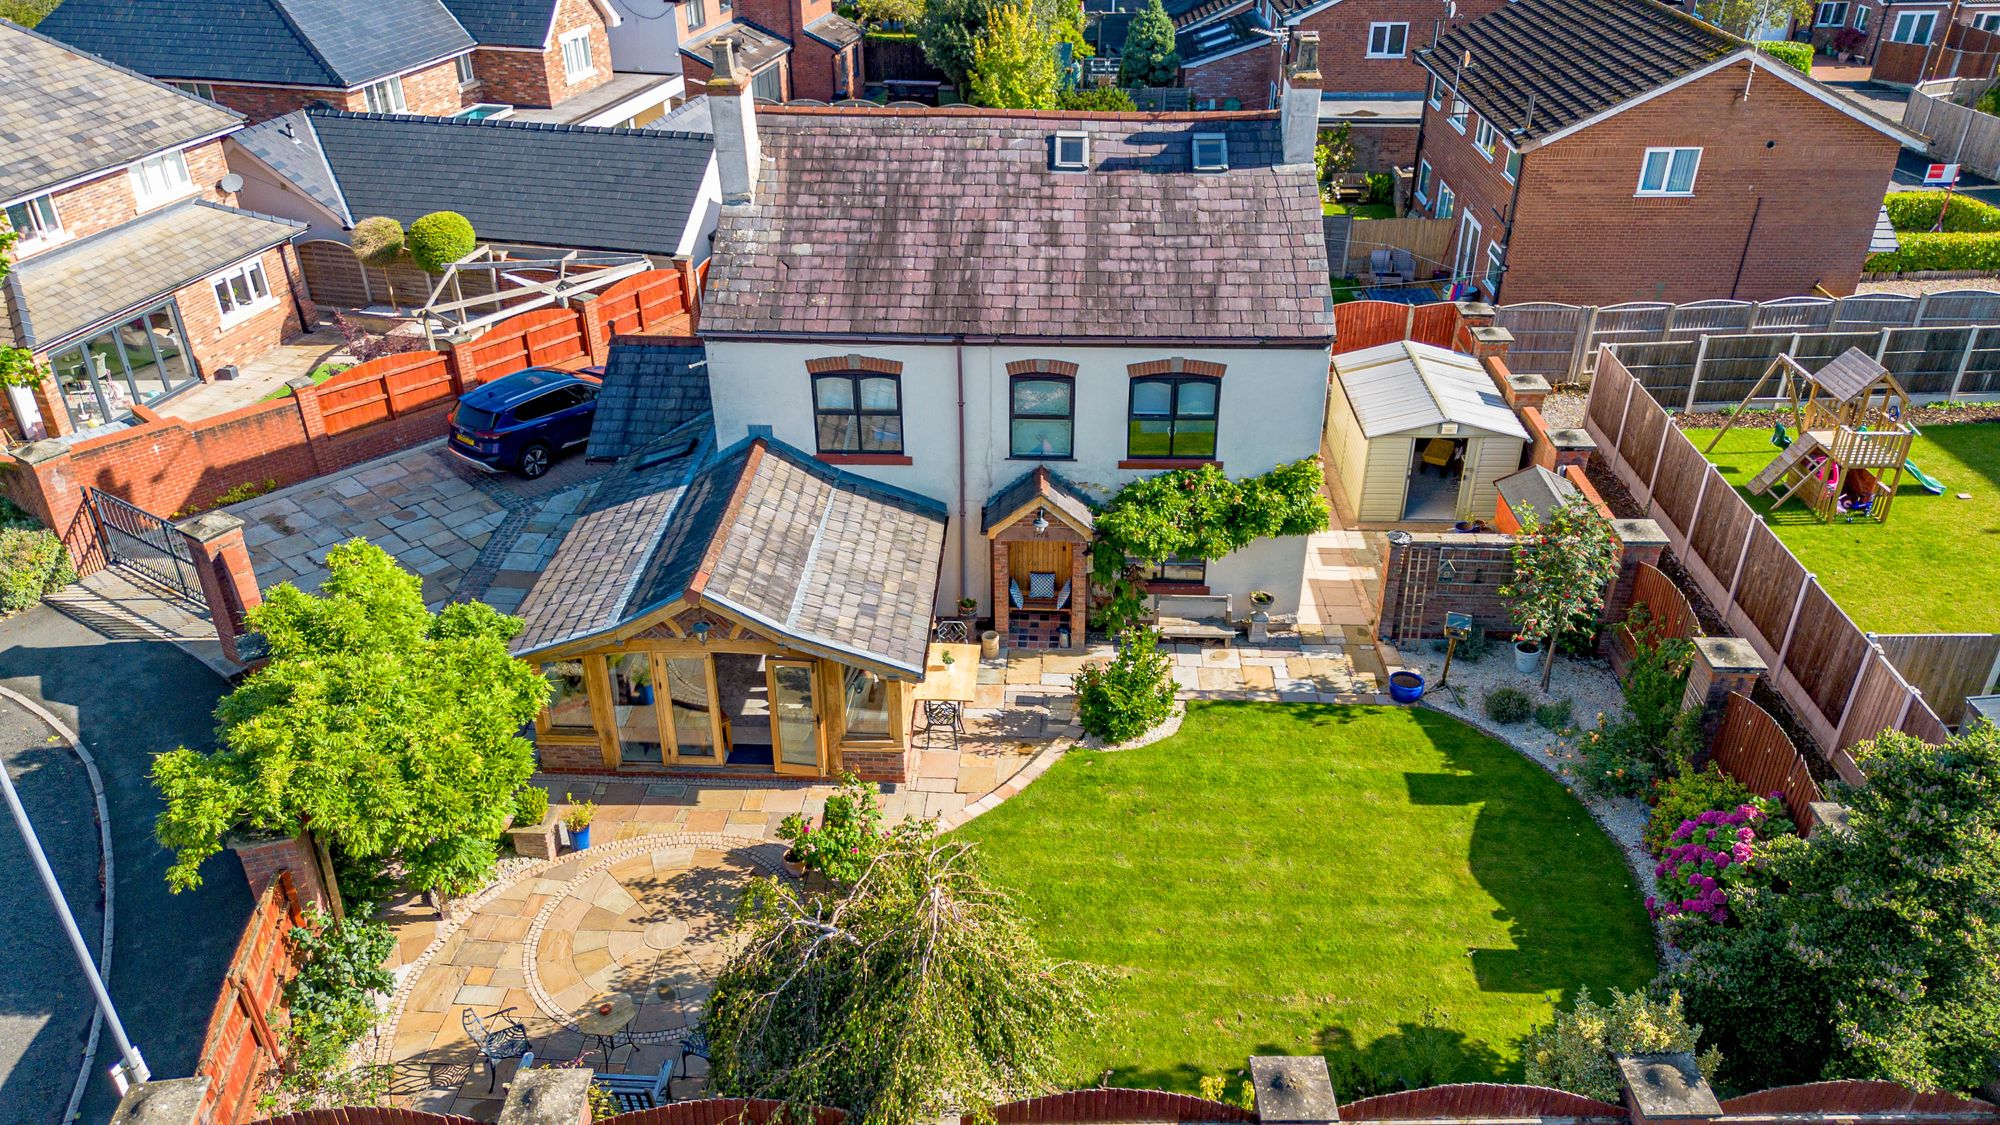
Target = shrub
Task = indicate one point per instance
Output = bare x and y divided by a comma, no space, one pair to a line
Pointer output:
1688,796
1917,211
531,805
1573,1052
1476,647
377,241
1624,757
1706,855
1381,187
1122,698
1798,56
1554,716
1148,56
439,239
848,837
340,965
33,562
1954,251
1100,99
1509,705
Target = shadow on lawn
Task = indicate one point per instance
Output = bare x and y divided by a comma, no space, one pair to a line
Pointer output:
1415,1055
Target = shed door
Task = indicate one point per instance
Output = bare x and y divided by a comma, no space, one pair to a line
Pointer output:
1468,480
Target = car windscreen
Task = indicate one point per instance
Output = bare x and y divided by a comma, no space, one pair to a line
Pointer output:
473,418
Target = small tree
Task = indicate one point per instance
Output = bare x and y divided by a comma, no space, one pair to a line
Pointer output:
1149,57
1014,61
384,729
1562,563
901,13
1573,1051
378,241
917,993
1120,699
1099,99
1753,19
439,239
947,32
1334,152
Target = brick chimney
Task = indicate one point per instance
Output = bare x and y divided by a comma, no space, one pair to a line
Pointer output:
1299,106
733,110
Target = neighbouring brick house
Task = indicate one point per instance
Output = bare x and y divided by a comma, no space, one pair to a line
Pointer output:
137,274
790,48
263,58
566,187
1695,167
551,60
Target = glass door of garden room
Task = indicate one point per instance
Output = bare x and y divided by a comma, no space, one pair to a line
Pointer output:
798,738
664,707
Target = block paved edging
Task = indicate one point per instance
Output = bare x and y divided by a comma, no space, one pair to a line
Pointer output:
765,854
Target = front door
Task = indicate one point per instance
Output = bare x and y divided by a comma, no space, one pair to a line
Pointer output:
798,743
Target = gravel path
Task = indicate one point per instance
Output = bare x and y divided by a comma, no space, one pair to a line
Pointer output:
1564,410
1594,695
1918,286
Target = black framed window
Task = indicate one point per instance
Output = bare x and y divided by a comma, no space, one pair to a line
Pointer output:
858,412
1192,571
1173,416
1043,417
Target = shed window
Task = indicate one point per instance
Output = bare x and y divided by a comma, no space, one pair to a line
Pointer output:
856,412
569,698
1173,416
866,698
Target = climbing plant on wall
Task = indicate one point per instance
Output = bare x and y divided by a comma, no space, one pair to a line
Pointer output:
1195,513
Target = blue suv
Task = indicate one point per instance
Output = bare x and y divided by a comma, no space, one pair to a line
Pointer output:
522,421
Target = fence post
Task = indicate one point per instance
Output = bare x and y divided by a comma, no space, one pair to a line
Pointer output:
1580,349
1923,306
1964,361
1694,377
1694,517
1798,604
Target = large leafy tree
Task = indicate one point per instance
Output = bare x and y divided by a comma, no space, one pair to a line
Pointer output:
1014,61
915,994
386,730
947,32
1149,57
1871,951
1753,19
1563,560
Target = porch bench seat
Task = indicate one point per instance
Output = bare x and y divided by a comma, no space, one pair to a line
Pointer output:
1193,617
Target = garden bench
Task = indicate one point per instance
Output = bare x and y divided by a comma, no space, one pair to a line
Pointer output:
637,1091
1193,617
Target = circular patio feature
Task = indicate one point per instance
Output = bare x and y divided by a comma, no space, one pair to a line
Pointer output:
651,922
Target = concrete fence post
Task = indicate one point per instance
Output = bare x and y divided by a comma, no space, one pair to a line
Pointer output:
228,584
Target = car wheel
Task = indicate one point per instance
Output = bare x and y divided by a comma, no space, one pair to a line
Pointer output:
535,460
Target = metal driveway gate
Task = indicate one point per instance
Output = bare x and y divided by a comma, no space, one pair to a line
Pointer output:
133,537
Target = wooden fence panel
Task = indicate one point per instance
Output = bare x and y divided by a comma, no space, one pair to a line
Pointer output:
1480,1101
539,336
1768,601
1672,615
1368,324
368,1115
723,1111
1092,1107
1718,534
1879,700
1436,324
1679,482
1853,1098
1946,667
1826,651
381,389
333,275
240,1049
1643,430
1608,408
1751,747
637,302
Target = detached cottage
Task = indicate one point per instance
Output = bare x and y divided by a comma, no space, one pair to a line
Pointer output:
1598,151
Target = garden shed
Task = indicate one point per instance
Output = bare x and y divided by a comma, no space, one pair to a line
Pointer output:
1420,433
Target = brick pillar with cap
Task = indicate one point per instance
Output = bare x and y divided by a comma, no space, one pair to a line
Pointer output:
228,584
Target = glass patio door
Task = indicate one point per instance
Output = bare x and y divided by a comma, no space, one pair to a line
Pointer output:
633,708
690,703
797,743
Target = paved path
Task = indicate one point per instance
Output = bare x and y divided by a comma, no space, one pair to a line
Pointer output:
131,699
44,1007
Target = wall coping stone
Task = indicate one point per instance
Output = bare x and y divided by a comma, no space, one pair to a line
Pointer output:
167,1101
1572,439
548,1096
1666,1087
1293,1090
1640,533
209,526
1729,654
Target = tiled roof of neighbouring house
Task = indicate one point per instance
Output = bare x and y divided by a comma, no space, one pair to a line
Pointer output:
1218,38
505,23
1570,59
652,386
75,286
573,186
931,222
822,559
296,42
65,114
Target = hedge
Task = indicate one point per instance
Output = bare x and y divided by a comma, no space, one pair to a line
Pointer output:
1918,211
1958,251
32,563
1797,55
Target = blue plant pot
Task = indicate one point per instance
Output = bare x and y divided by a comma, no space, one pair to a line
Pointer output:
580,837
645,694
1406,687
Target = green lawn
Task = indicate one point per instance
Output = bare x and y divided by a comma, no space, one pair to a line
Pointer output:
1932,568
1359,210
1387,886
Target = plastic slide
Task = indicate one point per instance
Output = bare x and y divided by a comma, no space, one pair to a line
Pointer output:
1931,484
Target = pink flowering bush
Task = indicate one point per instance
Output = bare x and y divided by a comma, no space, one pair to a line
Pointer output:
1706,856
847,837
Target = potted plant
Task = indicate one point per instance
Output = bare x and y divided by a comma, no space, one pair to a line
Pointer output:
1260,616
794,829
968,610
578,819
1262,599
846,840
533,833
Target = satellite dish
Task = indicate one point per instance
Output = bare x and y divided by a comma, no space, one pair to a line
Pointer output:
231,183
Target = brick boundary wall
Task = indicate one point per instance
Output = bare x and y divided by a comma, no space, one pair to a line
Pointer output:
168,465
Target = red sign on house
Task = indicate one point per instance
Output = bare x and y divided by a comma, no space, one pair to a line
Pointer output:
1941,175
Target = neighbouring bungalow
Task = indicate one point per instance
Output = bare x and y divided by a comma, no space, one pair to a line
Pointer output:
1419,433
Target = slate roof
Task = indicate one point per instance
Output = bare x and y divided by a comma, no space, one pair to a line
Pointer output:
691,116
66,114
820,558
835,30
930,222
1047,484
651,387
756,48
75,286
1406,386
334,43
1570,59
1534,487
505,23
573,186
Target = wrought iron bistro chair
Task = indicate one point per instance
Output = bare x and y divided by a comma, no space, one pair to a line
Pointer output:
696,1045
506,1039
943,715
953,631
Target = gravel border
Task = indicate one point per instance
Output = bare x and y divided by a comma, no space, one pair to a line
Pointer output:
1594,693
